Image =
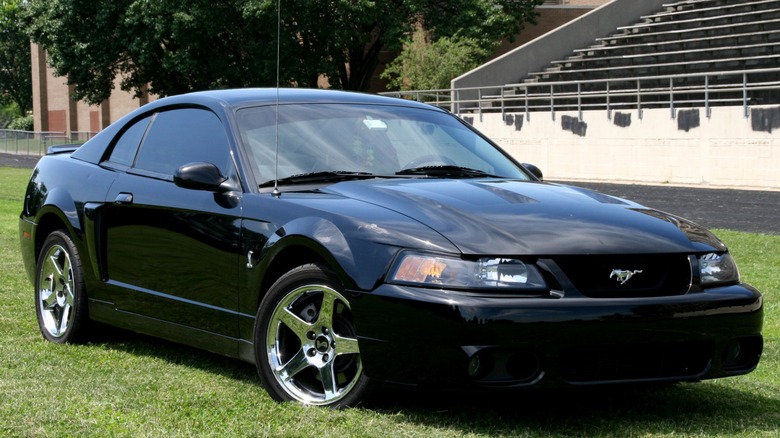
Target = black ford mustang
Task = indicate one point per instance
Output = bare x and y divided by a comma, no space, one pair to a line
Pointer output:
339,240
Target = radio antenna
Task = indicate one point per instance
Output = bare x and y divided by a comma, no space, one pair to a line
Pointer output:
276,193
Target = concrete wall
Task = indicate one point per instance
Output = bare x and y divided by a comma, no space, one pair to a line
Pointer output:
723,150
549,18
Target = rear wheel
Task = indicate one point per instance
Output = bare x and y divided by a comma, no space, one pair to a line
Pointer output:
60,297
305,342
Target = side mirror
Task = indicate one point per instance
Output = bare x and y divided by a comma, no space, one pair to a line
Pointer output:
535,171
200,176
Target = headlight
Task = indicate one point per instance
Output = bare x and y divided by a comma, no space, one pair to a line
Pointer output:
485,273
717,268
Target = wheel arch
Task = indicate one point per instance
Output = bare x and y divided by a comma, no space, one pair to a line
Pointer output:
358,260
293,251
59,212
49,220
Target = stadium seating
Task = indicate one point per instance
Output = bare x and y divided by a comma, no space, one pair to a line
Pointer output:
689,53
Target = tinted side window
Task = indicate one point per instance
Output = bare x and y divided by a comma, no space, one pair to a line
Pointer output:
183,136
127,145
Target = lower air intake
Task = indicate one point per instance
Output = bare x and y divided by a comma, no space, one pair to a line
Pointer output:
636,362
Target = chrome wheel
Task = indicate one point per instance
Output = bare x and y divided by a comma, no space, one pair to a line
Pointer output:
59,290
309,349
312,347
55,296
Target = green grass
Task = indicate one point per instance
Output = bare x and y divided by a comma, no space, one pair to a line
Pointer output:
130,385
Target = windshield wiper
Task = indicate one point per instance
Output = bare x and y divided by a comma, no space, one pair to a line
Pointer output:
451,171
317,177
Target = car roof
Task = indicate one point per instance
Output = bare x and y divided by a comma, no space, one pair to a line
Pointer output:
252,96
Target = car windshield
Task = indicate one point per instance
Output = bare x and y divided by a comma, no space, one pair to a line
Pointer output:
349,141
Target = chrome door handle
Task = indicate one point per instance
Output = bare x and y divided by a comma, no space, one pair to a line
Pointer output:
124,198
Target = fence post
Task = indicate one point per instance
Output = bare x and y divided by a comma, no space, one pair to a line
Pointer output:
552,102
744,95
671,97
639,99
502,104
527,113
707,97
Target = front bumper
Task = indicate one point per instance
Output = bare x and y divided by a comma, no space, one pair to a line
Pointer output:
443,338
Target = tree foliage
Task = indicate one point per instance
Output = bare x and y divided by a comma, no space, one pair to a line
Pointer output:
15,64
182,45
431,65
24,123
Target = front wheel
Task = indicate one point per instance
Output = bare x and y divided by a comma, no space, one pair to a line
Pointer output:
306,345
60,295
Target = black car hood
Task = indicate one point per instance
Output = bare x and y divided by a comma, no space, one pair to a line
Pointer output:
507,217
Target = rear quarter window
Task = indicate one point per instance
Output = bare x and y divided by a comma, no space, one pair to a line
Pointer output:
126,146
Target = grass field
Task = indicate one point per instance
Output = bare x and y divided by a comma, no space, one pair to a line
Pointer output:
131,385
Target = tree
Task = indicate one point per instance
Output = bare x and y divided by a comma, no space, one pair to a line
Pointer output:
182,45
172,47
15,64
431,65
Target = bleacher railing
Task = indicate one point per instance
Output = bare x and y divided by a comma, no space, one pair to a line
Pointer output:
745,88
37,142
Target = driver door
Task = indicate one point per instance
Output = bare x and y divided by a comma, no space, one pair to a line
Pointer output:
172,253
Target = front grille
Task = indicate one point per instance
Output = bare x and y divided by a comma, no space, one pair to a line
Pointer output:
650,275
636,362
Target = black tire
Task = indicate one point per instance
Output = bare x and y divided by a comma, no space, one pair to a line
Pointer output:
306,346
60,293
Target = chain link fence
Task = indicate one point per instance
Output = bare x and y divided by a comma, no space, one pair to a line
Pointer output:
36,143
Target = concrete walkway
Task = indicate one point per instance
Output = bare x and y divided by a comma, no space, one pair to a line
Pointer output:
741,210
18,161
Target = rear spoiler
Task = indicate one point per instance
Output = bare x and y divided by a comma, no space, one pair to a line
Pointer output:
62,149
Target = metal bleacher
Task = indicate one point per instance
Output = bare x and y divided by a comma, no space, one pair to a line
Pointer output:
688,53
671,58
